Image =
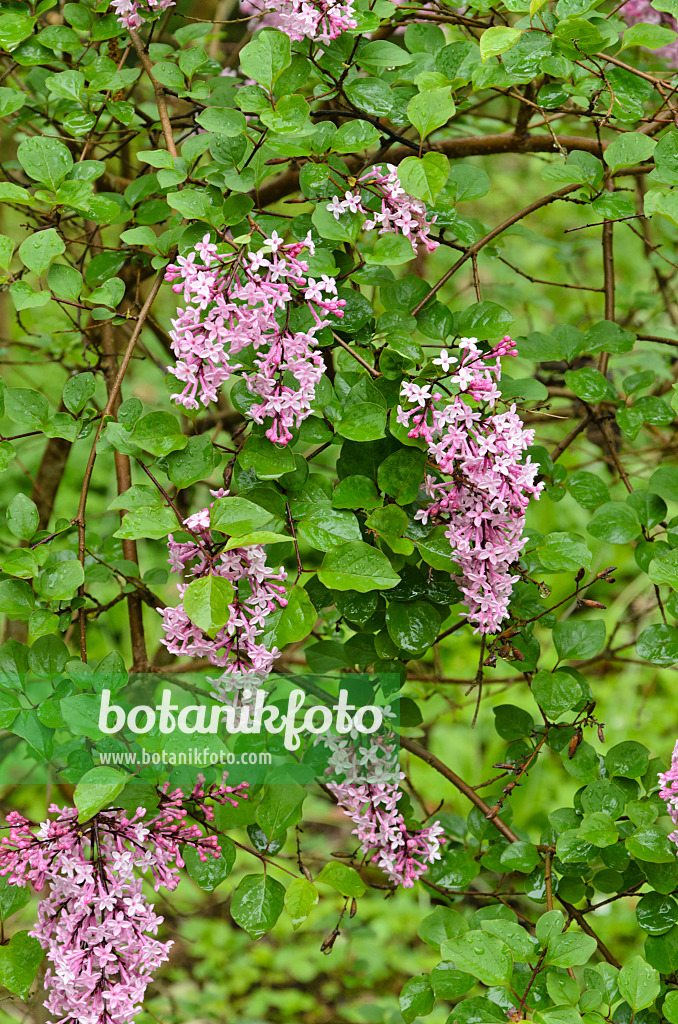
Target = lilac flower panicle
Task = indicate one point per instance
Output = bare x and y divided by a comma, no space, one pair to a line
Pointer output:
258,591
133,13
403,854
369,796
231,305
668,782
400,213
319,20
95,923
485,482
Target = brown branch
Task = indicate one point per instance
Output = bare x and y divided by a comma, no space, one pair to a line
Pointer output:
160,100
456,149
463,787
567,441
498,230
123,475
113,393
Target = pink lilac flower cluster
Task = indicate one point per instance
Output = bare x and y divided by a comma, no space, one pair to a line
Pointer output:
403,854
369,794
236,302
634,11
490,482
257,592
400,212
669,791
133,13
319,20
95,923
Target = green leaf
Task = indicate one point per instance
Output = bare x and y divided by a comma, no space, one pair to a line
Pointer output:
413,625
292,623
444,923
238,516
614,522
656,913
390,251
357,566
343,878
300,899
498,39
548,925
77,391
207,602
266,459
193,463
435,550
24,297
211,872
638,983
649,843
664,482
222,120
280,808
564,551
572,949
356,492
629,759
483,320
12,898
382,54
10,193
484,956
155,523
354,136
665,569
652,37
60,581
22,516
562,989
519,942
416,998
257,904
658,645
401,474
13,29
159,433
45,160
64,281
590,385
430,110
39,250
97,789
630,147
424,177
520,856
578,638
266,57
20,959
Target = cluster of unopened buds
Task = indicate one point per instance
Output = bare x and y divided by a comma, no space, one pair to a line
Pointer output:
318,20
369,794
397,211
258,591
242,301
95,924
486,481
133,13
